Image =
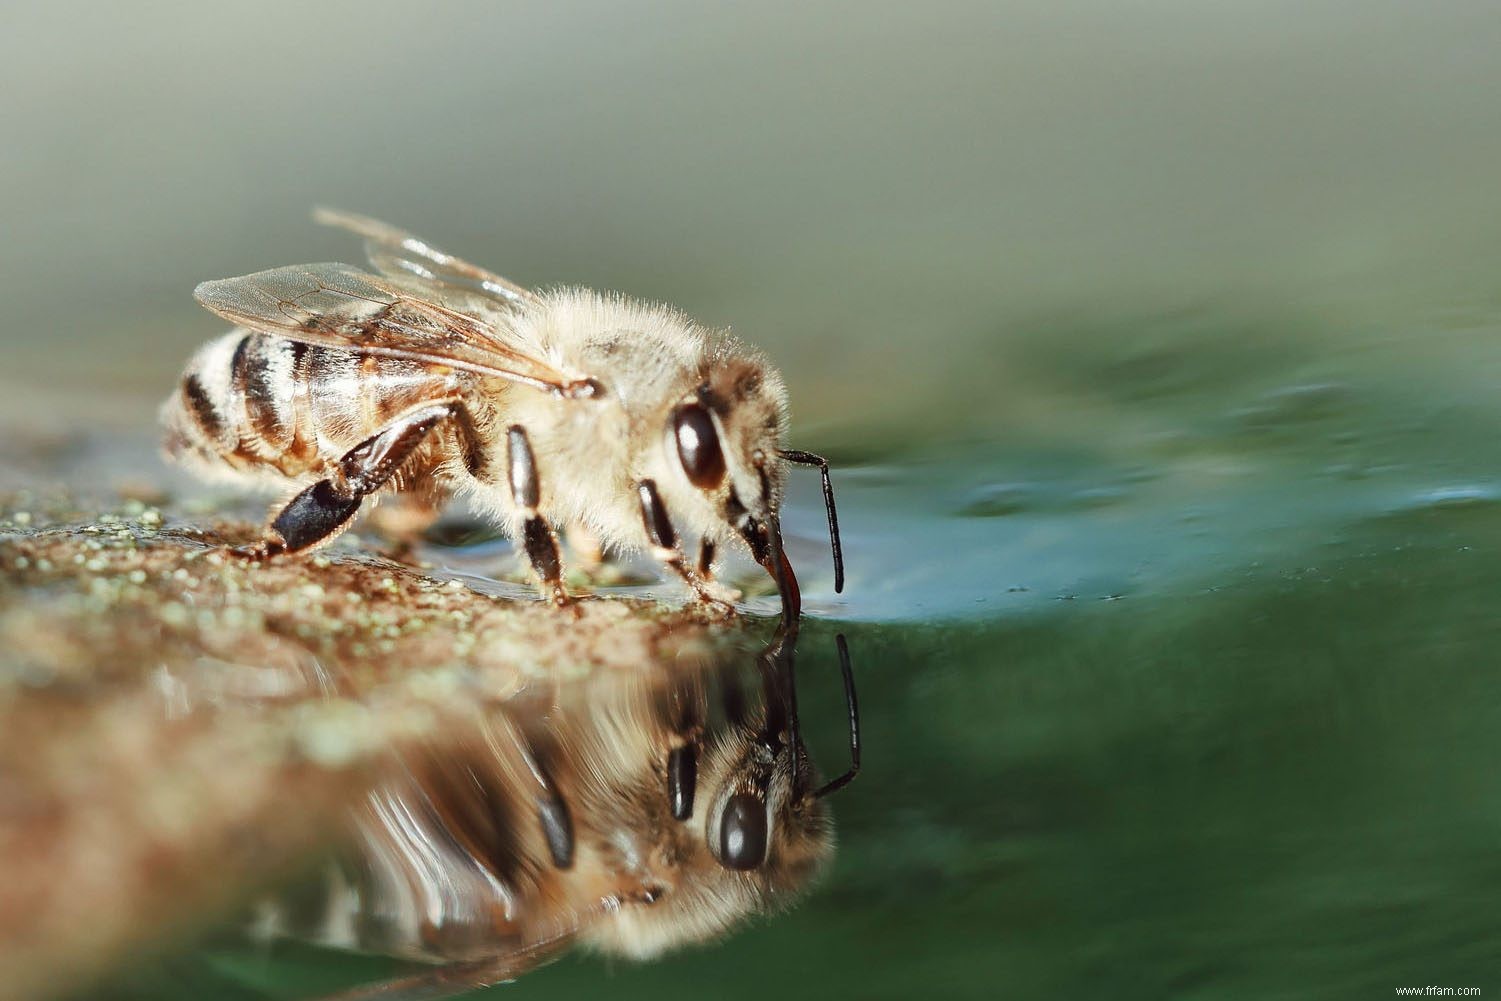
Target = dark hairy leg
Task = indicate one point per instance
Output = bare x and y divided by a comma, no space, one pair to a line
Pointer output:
321,510
664,542
540,541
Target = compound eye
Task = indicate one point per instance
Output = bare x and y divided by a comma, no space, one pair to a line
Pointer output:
742,832
698,446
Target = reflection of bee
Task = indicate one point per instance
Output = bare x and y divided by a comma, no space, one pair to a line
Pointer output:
566,407
603,825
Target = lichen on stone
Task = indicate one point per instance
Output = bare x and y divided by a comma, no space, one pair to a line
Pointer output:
179,725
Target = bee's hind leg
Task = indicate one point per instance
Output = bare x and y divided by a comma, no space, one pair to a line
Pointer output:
537,535
321,510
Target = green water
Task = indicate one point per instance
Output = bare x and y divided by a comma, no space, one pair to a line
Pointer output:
1188,693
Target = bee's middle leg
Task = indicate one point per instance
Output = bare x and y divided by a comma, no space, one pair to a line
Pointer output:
686,725
537,535
321,510
403,517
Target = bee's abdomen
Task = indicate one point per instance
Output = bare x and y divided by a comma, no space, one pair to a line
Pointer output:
259,403
243,403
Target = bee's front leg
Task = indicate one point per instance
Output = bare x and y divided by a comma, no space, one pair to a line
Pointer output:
664,544
537,535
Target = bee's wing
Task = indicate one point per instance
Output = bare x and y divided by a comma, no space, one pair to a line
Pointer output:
457,978
399,254
339,306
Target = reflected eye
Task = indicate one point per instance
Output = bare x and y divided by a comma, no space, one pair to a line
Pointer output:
742,832
698,446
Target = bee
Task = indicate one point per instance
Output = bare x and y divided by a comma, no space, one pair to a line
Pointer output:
433,377
592,824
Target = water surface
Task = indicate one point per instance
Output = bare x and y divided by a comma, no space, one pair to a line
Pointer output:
1189,693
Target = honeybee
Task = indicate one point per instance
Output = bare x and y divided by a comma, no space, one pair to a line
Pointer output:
594,823
433,377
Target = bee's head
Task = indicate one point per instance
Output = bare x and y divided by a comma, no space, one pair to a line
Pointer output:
700,892
726,432
726,469
724,436
761,830
769,791
764,818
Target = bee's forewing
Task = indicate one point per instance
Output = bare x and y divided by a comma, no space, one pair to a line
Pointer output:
336,305
455,978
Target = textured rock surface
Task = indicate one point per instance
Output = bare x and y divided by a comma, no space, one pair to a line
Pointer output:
178,726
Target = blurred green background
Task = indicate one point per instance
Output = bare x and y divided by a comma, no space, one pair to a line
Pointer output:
1157,345
865,189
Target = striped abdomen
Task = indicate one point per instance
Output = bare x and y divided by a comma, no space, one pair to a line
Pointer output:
259,403
446,864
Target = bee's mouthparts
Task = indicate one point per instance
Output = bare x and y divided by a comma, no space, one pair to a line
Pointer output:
792,597
765,542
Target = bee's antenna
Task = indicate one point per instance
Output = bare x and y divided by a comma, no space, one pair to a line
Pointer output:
809,459
853,705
